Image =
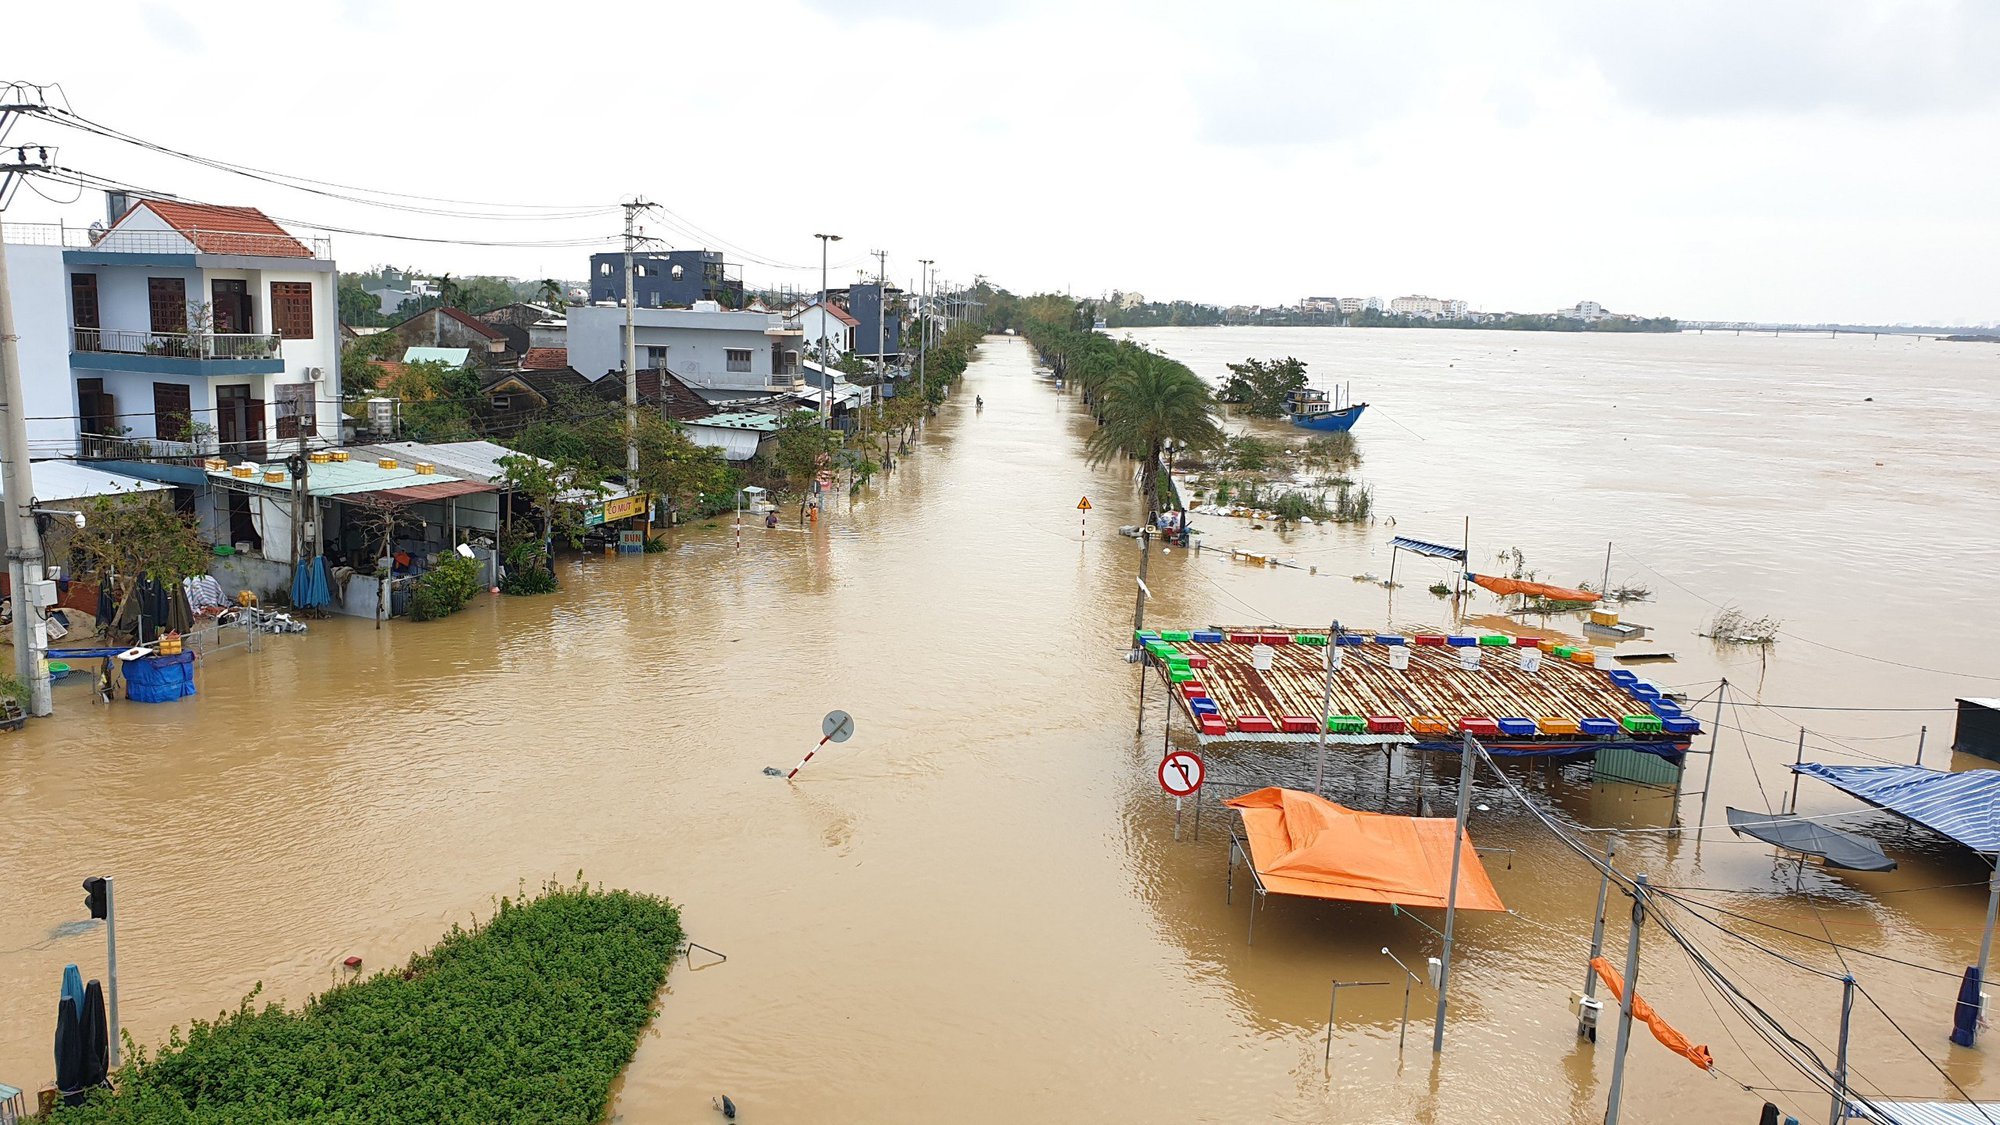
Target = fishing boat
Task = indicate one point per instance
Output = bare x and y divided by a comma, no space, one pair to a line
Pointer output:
1311,409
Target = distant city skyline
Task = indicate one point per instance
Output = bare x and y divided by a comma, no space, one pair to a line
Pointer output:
1784,161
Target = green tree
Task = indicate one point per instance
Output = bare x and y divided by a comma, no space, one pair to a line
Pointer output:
357,307
358,371
550,292
1150,403
1260,385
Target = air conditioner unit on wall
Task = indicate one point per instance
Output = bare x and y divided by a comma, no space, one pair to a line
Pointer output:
316,374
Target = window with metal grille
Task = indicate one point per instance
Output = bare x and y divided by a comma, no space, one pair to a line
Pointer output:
297,416
736,359
166,299
292,309
172,411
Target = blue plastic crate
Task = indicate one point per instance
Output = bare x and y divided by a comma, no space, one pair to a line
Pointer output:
1206,637
1519,728
1598,726
1390,639
1646,692
1624,677
1462,642
1665,708
1203,705
1681,724
1350,640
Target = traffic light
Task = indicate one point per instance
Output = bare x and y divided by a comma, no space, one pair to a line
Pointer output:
93,895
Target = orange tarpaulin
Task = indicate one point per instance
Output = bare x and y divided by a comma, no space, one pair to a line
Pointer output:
1669,1038
1533,589
1301,844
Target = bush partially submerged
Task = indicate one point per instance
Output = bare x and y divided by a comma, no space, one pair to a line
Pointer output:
1733,626
528,1018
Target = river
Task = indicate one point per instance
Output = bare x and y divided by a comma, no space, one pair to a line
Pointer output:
976,910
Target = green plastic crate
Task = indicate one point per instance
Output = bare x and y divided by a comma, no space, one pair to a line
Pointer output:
1309,639
1178,636
1183,675
1565,651
1495,640
1346,724
1145,636
1641,724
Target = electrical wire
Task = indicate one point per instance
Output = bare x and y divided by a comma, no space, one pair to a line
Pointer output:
1925,1055
1691,903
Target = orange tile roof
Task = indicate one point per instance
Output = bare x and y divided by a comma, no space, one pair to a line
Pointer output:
227,230
545,359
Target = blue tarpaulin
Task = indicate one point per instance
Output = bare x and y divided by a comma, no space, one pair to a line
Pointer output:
159,679
1435,550
1964,806
309,587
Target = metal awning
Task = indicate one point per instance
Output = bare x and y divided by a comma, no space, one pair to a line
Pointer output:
1889,1112
1797,834
1964,806
442,490
1423,547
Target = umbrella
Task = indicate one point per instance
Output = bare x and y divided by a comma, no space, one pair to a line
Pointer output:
309,585
69,1052
96,1035
72,987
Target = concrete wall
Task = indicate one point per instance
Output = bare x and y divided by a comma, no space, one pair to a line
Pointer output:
696,343
864,303
39,285
653,282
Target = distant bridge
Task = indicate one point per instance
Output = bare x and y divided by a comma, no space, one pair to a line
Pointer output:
1809,331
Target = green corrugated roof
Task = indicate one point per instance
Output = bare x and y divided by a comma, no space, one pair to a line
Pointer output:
763,423
342,478
457,357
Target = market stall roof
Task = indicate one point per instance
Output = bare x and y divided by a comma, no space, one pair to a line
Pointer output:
1964,806
1424,547
762,423
1891,1111
66,480
473,460
1304,844
336,479
1807,837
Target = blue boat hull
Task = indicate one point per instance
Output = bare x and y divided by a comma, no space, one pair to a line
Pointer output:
1331,421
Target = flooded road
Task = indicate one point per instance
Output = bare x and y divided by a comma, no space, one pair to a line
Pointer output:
976,909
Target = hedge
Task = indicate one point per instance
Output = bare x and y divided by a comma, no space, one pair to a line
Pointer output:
529,1018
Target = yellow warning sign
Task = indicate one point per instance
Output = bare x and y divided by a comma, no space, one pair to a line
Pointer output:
1083,505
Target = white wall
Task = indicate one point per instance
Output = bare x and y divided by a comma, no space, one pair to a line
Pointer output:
148,234
839,337
39,286
696,342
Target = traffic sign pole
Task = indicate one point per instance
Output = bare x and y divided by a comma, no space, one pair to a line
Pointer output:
838,726
1083,506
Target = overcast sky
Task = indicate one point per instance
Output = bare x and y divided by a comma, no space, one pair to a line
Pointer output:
1794,160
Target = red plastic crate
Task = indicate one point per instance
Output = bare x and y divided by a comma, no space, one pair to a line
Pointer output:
1479,727
1385,724
1298,724
1428,639
1192,689
1196,660
1213,724
1256,724
1274,638
1243,638
1527,642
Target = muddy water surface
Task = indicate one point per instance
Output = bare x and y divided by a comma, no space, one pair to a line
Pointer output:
976,910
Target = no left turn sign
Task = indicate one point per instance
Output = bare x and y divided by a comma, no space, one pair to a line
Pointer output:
1181,773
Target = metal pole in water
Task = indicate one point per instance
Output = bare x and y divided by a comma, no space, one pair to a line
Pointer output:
1839,1110
111,967
1605,590
1800,760
1451,894
1986,945
1326,709
1714,743
1625,1003
1597,936
1921,732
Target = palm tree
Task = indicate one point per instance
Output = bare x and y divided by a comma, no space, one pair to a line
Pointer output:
449,291
551,293
1150,403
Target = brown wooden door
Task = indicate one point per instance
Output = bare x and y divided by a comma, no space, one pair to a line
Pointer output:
231,302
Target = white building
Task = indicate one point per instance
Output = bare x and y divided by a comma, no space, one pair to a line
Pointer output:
1455,309
1584,310
823,320
1428,308
721,355
189,328
1352,305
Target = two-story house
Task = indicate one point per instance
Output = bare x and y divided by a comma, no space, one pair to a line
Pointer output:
667,279
828,329
202,329
722,355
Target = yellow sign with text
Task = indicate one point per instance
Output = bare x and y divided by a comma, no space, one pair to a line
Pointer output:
625,507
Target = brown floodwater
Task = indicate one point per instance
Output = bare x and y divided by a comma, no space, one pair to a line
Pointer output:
977,910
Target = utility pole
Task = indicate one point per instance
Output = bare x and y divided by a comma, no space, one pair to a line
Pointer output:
1597,937
882,290
1611,1105
1838,1114
826,372
1326,709
1145,556
923,330
24,541
1465,759
1714,744
631,353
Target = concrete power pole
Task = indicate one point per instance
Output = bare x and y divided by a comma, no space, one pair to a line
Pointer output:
882,291
825,368
923,329
631,354
24,541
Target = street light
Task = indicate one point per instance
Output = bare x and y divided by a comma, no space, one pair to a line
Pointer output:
826,392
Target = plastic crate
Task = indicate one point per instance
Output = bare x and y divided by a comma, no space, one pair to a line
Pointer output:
1430,640
1564,651
1389,639
1256,724
1527,642
1643,691
1519,728
1196,660
1584,656
1640,724
1665,708
1623,677
1462,642
1346,724
1213,725
1204,706
1478,726
1177,636
1555,724
1386,724
1297,724
1496,640
1243,638
1429,724
1351,640
1681,724
1145,636
1274,639
1206,637
1598,726
1191,689
1308,639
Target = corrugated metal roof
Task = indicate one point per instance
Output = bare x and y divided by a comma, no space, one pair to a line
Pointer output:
456,357
1424,547
1434,684
473,460
763,423
348,478
1933,1113
66,480
1964,806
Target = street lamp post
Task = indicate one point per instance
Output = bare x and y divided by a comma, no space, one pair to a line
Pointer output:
826,392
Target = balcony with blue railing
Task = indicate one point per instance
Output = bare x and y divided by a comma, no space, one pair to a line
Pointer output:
176,353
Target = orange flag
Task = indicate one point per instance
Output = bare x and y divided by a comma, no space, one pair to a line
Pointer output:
1669,1038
